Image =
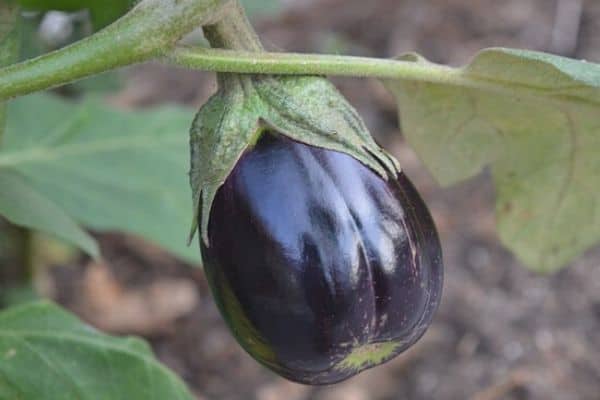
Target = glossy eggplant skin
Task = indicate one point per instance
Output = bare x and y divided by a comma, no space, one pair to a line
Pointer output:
320,267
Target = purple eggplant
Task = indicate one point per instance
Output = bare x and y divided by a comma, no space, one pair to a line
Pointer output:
320,267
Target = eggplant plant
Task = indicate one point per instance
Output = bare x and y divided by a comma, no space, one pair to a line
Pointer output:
321,255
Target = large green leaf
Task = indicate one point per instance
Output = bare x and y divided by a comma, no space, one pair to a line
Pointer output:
535,118
46,353
107,169
103,12
21,204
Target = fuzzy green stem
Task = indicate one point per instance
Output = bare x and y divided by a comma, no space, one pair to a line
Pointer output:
17,267
9,45
147,31
233,31
249,62
242,57
21,270
244,62
27,251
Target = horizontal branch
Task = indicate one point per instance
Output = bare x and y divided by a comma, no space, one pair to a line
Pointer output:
219,60
146,32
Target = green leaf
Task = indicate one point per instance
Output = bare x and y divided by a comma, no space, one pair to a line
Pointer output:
109,170
23,205
535,119
102,12
46,353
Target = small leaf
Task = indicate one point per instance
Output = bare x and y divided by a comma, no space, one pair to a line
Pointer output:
534,118
46,353
108,170
21,204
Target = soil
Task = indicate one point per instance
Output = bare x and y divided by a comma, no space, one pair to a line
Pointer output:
502,332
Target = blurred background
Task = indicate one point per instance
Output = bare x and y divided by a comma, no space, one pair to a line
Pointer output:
502,332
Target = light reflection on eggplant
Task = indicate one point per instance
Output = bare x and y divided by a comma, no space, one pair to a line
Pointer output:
320,267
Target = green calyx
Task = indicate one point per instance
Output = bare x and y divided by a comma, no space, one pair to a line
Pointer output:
306,109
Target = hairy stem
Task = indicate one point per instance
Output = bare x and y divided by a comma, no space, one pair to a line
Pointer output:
147,31
134,38
17,271
246,62
233,31
17,264
249,62
9,45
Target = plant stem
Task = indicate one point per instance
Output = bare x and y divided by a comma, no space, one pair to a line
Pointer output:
20,270
148,30
233,31
27,252
9,45
17,267
245,62
248,62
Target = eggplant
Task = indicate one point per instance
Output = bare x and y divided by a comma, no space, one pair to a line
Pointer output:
320,267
